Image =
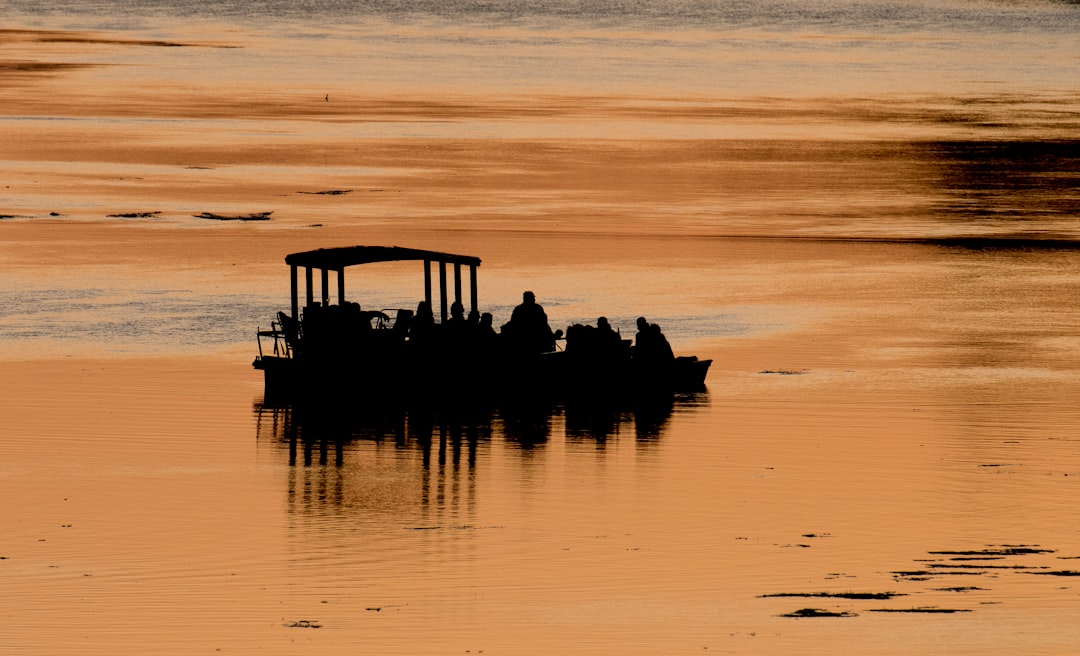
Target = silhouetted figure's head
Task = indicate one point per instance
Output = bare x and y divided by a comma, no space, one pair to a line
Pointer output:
457,310
423,311
528,297
642,324
602,323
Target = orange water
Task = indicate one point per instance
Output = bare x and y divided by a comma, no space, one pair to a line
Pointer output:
878,395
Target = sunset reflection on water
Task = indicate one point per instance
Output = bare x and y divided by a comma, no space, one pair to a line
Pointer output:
865,215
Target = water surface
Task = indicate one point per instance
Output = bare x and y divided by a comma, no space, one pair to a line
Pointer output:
864,212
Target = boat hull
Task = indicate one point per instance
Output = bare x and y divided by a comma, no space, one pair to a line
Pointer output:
547,376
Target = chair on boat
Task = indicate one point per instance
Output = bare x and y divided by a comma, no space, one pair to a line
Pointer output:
290,331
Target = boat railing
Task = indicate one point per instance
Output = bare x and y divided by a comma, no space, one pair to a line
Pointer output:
281,342
389,317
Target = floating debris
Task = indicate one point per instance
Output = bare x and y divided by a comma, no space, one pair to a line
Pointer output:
923,575
838,595
990,561
1003,550
818,612
1058,572
329,192
303,624
966,566
921,609
449,527
256,216
784,372
134,215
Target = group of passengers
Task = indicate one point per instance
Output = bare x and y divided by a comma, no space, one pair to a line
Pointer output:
473,336
528,332
602,344
335,324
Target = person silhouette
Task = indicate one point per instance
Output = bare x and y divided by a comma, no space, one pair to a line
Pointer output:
423,323
652,352
528,330
608,341
456,328
643,337
487,330
457,312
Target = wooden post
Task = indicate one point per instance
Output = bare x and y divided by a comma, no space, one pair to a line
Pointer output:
310,287
427,283
325,285
295,293
341,286
472,289
457,282
442,290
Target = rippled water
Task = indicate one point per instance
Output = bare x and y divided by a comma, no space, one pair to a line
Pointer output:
864,212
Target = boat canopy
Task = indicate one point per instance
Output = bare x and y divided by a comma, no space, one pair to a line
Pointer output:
335,259
338,259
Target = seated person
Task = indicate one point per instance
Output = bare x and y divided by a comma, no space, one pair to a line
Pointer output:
528,330
651,348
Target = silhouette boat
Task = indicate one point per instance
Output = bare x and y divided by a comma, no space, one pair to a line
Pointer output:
335,349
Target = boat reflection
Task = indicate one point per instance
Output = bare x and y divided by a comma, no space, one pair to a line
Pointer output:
430,468
318,436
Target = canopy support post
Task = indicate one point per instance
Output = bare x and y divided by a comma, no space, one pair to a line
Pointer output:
472,288
457,282
427,282
442,290
295,292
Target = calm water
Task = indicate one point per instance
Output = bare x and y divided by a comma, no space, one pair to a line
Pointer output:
865,212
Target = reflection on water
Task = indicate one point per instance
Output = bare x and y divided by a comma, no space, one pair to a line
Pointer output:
385,472
920,471
1016,187
456,437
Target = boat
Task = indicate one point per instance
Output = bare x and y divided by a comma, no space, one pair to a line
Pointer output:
328,348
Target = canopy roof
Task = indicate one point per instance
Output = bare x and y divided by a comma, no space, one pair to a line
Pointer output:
337,259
